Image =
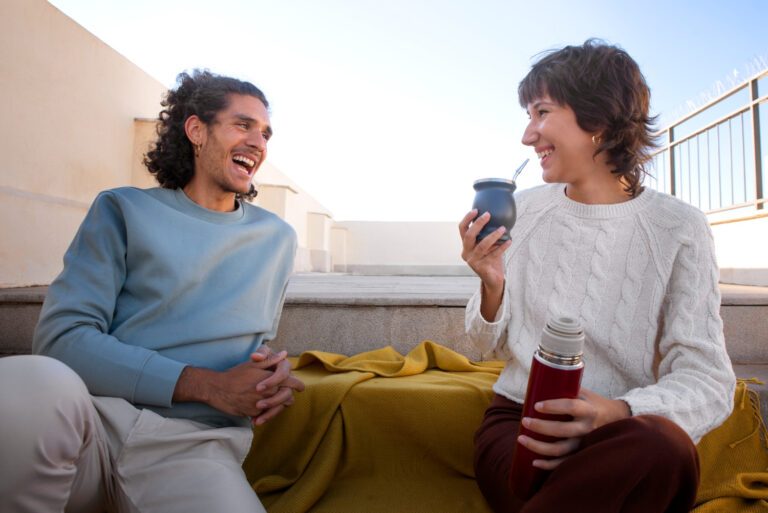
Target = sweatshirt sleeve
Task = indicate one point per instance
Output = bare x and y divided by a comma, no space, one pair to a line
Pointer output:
696,382
75,320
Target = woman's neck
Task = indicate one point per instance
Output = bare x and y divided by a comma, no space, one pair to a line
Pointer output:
598,186
598,193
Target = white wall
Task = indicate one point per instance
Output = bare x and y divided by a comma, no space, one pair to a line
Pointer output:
742,251
402,248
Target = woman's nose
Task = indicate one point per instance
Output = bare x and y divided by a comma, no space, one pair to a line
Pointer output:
529,136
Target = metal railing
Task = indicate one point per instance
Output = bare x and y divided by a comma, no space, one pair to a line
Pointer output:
718,165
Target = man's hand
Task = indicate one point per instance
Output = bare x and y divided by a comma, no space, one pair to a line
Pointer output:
259,388
590,411
279,386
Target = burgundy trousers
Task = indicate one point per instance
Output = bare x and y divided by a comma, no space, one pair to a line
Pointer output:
640,464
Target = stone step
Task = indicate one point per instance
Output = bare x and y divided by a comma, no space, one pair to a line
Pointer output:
349,314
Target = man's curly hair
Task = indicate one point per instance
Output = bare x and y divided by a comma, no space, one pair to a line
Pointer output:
608,93
202,94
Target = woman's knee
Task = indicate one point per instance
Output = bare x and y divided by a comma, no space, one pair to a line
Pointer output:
662,444
664,434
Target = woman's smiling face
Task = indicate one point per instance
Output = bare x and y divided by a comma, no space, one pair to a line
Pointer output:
565,151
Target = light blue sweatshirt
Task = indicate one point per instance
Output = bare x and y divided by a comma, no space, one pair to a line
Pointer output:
153,282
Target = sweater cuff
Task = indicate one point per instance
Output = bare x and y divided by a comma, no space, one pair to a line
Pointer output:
477,319
157,381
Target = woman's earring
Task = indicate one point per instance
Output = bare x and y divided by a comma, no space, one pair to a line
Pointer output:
596,140
199,147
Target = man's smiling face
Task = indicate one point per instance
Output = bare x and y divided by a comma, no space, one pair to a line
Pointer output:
234,145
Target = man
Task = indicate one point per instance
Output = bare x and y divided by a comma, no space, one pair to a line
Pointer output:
156,328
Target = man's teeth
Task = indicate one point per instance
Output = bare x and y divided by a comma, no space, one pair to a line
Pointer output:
245,160
544,153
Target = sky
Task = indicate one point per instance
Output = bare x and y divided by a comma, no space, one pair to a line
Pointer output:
390,110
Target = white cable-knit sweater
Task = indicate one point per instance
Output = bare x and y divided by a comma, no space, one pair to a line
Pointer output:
641,278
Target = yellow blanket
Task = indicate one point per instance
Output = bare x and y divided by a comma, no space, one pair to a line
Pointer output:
357,440
734,460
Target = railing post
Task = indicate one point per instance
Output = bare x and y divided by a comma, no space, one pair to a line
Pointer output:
756,143
670,137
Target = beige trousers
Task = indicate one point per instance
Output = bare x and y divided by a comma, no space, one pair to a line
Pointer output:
62,449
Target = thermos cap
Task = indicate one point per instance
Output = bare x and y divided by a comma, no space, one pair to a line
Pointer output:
563,335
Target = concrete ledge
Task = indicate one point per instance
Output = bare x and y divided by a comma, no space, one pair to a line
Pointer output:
19,310
405,270
350,314
344,289
353,328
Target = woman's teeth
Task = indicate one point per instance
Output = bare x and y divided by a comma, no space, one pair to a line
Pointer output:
544,153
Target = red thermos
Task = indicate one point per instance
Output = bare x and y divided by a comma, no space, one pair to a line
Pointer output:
555,373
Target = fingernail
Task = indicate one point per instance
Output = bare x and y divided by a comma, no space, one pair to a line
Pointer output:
487,214
500,229
522,439
526,422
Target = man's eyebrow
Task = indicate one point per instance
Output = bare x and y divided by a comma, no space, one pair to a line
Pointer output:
245,117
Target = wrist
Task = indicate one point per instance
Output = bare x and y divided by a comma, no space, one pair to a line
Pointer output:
493,291
491,299
194,385
621,409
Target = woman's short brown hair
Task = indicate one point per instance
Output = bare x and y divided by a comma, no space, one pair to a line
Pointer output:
608,93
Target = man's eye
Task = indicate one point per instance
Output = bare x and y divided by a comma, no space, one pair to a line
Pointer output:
542,112
266,135
244,125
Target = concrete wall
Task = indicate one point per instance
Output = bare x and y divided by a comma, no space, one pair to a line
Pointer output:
68,103
405,248
311,220
77,118
742,251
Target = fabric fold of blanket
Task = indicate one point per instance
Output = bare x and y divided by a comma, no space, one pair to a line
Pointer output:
382,432
376,431
734,459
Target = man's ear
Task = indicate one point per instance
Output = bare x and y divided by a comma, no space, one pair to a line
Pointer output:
195,130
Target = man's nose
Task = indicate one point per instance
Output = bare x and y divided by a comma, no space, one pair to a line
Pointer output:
257,140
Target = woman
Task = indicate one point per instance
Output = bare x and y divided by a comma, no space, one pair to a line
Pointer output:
635,267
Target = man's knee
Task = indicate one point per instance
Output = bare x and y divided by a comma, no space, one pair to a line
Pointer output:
38,387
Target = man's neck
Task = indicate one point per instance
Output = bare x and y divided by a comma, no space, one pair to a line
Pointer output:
219,201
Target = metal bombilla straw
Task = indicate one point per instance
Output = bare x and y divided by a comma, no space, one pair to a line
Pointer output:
517,171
